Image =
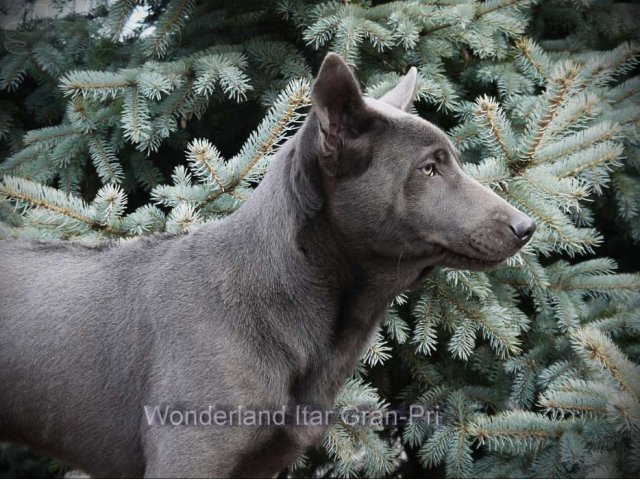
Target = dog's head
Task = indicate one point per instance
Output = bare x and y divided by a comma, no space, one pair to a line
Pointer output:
394,183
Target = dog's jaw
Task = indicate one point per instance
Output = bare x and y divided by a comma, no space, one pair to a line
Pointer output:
459,260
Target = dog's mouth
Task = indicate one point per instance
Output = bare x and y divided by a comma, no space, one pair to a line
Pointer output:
439,255
459,260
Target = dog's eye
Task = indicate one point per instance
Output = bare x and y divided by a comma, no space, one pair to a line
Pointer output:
428,170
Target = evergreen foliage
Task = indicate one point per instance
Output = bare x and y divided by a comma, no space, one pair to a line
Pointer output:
111,132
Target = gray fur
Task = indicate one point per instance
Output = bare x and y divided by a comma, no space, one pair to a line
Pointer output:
272,306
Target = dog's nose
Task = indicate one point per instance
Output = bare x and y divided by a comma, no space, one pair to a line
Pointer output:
523,228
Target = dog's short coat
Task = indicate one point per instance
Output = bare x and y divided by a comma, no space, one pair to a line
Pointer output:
270,307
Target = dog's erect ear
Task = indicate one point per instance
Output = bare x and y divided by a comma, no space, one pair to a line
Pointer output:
403,94
336,99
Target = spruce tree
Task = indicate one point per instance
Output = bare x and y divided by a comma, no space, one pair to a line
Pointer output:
111,130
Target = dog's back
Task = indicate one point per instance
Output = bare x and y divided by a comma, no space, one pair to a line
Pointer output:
65,353
92,334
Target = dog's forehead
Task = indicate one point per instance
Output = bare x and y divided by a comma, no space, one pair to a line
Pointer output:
384,108
419,128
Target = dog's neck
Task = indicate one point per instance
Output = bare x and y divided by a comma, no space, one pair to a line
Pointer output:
289,220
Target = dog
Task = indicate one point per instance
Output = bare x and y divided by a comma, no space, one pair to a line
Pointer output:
271,307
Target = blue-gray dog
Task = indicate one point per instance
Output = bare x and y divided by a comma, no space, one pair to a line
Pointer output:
271,307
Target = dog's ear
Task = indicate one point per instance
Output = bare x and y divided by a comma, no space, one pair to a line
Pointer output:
337,102
403,94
